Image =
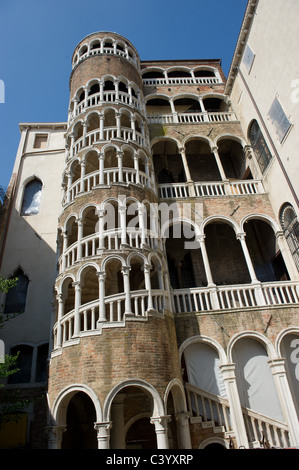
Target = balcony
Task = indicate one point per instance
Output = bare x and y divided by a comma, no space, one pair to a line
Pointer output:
90,319
207,299
191,118
210,189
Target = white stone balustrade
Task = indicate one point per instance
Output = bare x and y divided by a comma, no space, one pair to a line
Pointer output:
215,188
182,81
91,320
100,99
198,299
213,411
191,118
111,240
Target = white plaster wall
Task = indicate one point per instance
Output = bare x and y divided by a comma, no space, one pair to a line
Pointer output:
274,38
31,240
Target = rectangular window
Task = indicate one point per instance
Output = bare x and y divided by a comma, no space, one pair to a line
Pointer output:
40,141
279,120
248,57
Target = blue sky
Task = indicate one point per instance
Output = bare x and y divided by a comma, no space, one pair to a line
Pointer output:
38,37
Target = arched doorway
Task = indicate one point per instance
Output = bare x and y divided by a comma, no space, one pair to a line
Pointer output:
80,419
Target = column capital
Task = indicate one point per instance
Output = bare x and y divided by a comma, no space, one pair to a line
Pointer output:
125,270
160,422
241,236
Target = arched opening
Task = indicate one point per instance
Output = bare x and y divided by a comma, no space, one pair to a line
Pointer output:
290,352
109,118
131,410
90,221
32,197
290,225
93,122
259,146
226,258
71,231
185,263
201,162
90,285
80,419
75,171
68,292
141,435
158,106
15,299
78,131
254,378
264,251
233,159
168,162
215,105
91,162
187,105
201,364
137,273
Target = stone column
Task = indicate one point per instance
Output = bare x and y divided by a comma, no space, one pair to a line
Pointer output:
148,287
125,271
80,236
55,436
136,166
103,434
287,256
102,309
101,214
219,164
201,240
160,423
118,424
184,438
286,400
123,225
77,286
241,238
119,155
229,377
60,299
118,125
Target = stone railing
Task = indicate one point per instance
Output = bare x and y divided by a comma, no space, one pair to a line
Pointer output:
261,428
100,99
107,177
106,135
213,411
182,81
212,189
201,299
191,118
88,315
112,239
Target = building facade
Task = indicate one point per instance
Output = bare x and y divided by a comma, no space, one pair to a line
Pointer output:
157,263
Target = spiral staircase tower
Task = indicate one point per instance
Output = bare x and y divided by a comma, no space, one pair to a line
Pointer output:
114,344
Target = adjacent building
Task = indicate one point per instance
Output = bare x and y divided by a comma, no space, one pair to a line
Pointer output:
154,236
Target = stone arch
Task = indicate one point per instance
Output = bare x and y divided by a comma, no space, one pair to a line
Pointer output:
62,399
251,352
214,443
157,408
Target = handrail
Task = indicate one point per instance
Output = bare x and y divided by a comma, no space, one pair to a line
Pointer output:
197,299
206,406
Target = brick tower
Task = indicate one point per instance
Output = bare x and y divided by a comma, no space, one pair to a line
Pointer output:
115,357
